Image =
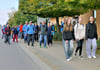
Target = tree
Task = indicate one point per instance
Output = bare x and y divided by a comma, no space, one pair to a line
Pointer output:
18,17
52,8
57,8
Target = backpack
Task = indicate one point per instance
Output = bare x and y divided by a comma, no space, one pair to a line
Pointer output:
77,26
82,25
45,26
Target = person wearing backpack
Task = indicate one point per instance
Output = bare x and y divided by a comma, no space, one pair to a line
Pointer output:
12,29
25,31
79,31
62,25
91,37
3,31
53,32
21,30
49,35
68,37
15,34
36,32
30,32
43,34
7,34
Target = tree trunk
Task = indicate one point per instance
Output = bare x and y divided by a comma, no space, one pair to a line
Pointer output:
58,26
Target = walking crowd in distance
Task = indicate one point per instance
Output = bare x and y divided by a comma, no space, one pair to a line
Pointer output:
44,33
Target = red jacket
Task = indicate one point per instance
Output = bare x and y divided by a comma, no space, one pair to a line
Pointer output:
7,31
21,28
2,30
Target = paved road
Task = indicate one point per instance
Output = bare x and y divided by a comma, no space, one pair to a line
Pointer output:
12,57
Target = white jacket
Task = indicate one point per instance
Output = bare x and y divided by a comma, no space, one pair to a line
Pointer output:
79,31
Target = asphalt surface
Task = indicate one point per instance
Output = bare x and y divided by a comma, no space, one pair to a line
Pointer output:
12,57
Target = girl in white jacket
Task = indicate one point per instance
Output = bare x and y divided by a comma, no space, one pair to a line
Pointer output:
79,31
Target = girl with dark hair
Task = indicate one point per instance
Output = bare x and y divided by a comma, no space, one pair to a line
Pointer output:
91,37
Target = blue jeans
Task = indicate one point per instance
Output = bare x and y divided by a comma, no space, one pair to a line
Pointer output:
7,39
20,34
3,35
68,49
43,38
63,42
25,38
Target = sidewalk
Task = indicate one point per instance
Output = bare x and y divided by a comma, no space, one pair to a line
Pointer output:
55,57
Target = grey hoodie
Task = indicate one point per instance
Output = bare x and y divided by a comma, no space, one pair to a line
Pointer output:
43,29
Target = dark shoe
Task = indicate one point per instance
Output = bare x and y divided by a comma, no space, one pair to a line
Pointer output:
5,41
32,45
28,44
75,54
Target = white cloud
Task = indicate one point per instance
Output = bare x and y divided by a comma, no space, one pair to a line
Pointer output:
4,16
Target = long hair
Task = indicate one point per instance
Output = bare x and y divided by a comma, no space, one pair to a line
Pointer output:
68,27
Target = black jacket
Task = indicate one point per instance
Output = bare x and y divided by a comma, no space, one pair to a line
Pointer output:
91,31
15,32
68,35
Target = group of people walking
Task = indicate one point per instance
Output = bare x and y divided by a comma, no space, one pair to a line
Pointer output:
78,34
30,32
70,35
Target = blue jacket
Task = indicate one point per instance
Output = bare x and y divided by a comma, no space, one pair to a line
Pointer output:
18,28
30,29
4,28
62,26
53,29
36,28
25,28
49,31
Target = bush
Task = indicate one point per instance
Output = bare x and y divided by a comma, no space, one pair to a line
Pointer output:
98,47
98,43
57,37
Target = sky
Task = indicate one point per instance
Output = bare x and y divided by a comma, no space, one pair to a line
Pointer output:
6,6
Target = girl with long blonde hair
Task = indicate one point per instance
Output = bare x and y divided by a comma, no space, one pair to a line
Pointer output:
68,36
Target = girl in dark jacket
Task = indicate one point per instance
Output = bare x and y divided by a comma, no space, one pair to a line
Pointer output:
15,32
91,37
68,36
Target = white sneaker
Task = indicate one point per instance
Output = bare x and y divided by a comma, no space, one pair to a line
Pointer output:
68,59
89,57
94,57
